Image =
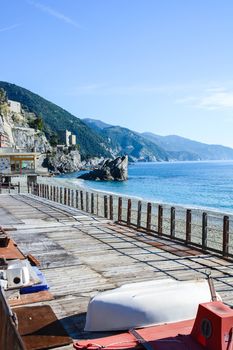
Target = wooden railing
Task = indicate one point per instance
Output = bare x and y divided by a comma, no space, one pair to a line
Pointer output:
9,187
206,230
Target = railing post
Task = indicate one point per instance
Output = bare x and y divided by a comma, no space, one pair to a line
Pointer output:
97,204
148,220
18,187
105,206
111,207
76,192
129,212
188,225
72,198
225,244
65,195
160,219
87,202
139,214
120,209
173,223
92,203
81,199
54,194
60,194
69,196
204,231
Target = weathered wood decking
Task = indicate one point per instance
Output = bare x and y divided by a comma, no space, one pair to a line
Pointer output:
81,254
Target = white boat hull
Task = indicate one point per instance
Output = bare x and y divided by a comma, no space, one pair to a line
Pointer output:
146,303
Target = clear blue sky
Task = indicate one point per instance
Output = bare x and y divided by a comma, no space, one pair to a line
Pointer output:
164,66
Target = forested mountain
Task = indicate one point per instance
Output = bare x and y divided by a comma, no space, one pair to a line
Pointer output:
122,141
57,120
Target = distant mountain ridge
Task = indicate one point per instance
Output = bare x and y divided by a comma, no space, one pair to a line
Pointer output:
172,147
189,148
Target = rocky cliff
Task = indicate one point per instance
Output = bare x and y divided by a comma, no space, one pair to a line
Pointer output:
60,162
17,133
20,132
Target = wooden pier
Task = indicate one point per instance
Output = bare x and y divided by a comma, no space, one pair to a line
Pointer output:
81,254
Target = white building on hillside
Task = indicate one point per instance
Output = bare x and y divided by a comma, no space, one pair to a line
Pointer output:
14,106
70,139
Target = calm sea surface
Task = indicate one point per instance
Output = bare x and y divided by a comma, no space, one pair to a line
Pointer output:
196,184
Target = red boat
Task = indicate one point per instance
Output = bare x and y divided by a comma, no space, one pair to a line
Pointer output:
211,330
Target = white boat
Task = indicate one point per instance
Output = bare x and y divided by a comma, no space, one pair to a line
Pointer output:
146,303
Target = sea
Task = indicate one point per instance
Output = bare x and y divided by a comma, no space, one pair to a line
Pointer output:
191,184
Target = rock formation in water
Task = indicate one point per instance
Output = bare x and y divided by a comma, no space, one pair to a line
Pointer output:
110,170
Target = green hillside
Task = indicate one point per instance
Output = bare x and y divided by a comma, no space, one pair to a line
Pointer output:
57,120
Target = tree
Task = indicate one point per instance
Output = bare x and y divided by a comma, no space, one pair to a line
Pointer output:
53,140
38,123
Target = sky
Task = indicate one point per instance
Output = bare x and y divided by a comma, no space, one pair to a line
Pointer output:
163,66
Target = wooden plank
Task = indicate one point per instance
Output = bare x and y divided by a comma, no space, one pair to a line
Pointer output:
11,251
40,328
31,298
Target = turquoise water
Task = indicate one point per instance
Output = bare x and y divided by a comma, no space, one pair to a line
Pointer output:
196,184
